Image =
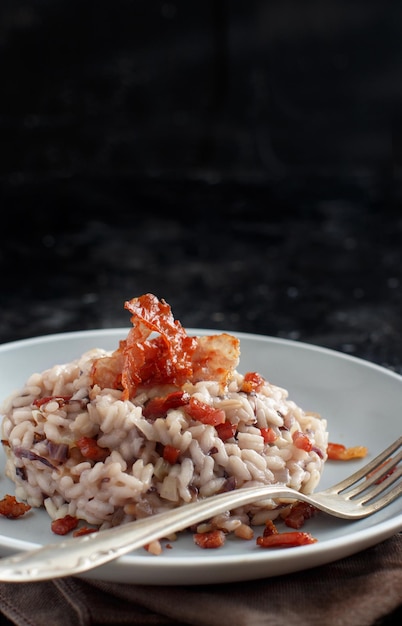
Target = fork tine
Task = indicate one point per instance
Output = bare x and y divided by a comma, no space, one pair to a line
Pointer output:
369,467
381,487
377,476
388,497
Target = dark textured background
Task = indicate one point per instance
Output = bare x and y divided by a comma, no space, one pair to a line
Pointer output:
241,160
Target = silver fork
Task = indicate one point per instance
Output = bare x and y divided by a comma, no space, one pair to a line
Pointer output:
363,493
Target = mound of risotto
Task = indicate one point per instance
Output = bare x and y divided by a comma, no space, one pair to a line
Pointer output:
163,420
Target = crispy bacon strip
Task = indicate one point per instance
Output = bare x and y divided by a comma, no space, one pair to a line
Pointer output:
141,360
165,359
215,358
158,351
106,371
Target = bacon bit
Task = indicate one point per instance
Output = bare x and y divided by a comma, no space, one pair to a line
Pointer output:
285,540
301,441
171,454
64,525
90,449
204,413
227,430
211,539
339,452
299,513
11,508
269,528
268,434
252,382
158,407
5,442
61,400
84,530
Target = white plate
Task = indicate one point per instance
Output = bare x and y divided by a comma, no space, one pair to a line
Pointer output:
361,401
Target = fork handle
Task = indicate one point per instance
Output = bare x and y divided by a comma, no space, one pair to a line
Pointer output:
76,555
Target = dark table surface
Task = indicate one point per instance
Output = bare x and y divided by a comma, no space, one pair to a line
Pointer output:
240,160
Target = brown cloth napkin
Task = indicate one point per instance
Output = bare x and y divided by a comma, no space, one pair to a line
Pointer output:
359,590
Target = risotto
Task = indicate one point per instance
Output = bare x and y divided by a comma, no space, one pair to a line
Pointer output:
163,420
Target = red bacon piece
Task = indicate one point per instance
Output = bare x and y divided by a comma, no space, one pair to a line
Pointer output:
339,452
11,508
90,449
204,413
299,513
301,441
227,430
252,382
64,525
158,407
286,540
268,434
210,540
171,454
